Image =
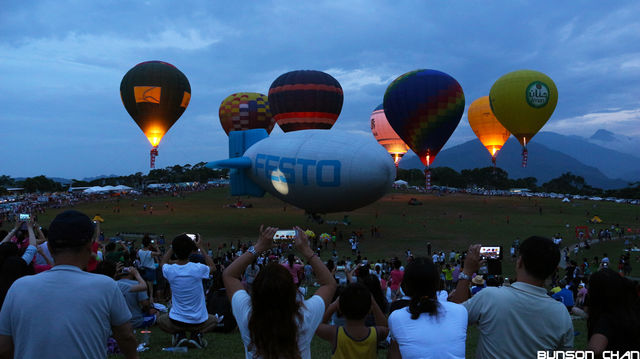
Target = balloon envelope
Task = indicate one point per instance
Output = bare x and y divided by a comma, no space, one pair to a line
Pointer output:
424,107
386,136
523,101
486,126
155,94
245,111
305,99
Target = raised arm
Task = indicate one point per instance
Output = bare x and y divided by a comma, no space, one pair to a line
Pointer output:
205,254
323,276
166,258
471,265
232,274
142,285
12,232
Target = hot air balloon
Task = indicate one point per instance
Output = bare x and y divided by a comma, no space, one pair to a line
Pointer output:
386,136
305,99
424,107
523,101
245,111
487,127
155,94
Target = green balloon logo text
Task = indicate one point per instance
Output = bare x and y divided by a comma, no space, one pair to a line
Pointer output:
537,94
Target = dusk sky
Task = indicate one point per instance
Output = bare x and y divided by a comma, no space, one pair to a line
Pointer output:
61,63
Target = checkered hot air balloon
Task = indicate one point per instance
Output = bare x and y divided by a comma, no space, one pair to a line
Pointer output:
245,111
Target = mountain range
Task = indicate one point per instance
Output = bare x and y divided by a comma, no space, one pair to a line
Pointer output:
550,155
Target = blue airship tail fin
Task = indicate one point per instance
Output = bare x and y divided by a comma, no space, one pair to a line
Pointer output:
239,142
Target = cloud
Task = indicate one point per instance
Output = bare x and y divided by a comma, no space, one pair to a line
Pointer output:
356,79
621,122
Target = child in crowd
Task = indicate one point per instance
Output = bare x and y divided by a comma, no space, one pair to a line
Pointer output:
354,339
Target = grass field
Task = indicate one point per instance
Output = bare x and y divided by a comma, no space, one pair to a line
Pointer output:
448,222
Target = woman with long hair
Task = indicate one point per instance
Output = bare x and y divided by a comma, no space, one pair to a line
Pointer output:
426,328
272,322
614,313
14,262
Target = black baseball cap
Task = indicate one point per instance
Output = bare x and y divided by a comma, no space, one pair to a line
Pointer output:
70,229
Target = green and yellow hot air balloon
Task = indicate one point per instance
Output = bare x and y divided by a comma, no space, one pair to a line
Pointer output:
523,102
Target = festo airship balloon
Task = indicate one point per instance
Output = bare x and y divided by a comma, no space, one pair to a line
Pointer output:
318,171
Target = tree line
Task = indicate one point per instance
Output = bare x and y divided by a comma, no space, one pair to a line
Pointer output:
172,174
498,179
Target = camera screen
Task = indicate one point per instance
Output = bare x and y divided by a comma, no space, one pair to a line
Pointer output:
490,252
288,235
24,216
192,236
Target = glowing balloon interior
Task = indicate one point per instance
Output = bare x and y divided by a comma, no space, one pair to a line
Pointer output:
155,94
386,136
487,127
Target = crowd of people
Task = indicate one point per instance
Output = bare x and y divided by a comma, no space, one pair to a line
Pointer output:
279,296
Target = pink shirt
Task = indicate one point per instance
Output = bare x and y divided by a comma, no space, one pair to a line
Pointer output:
396,279
297,268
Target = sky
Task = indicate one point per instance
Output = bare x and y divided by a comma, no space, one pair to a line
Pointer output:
61,63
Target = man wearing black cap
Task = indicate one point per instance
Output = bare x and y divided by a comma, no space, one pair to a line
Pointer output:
66,312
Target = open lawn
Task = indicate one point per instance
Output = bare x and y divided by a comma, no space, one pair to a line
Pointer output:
448,222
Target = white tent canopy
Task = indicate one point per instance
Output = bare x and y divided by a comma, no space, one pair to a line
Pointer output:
98,189
401,183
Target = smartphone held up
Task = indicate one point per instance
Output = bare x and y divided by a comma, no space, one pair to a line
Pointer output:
284,236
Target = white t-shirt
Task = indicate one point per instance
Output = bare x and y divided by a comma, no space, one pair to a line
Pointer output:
187,294
312,312
441,336
146,260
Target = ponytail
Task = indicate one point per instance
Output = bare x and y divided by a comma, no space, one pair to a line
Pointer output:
421,305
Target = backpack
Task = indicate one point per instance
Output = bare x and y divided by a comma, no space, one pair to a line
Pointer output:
218,303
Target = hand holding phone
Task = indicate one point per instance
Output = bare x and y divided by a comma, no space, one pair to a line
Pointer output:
284,236
492,252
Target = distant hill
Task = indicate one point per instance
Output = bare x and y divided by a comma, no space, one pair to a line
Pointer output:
613,164
56,179
544,163
614,141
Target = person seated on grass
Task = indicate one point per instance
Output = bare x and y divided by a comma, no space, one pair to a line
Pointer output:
427,327
519,320
134,289
188,312
354,339
273,323
613,306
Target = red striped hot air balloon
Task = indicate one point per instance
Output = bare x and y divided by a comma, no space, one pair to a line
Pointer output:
305,99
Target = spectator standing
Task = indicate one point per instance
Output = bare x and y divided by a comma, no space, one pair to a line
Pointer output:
354,339
614,313
30,322
275,300
396,279
147,263
419,330
521,319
